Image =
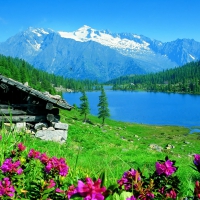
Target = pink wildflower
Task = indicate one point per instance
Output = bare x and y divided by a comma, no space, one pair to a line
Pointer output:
58,190
33,154
197,189
128,179
57,165
172,194
91,190
44,158
162,190
11,167
6,189
197,161
131,198
21,147
0,137
146,196
51,184
71,190
166,168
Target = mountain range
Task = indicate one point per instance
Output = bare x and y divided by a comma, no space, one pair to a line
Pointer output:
98,55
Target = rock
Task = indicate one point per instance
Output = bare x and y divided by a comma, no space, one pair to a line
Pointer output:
169,146
56,135
28,131
155,147
51,128
26,84
20,126
9,126
40,125
61,126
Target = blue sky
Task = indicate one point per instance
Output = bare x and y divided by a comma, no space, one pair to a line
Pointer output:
164,20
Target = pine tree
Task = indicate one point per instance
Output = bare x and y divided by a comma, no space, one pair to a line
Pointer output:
84,107
103,106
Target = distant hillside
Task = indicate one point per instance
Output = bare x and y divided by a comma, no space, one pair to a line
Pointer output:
22,71
185,79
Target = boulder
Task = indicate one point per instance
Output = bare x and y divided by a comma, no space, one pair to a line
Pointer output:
56,135
61,126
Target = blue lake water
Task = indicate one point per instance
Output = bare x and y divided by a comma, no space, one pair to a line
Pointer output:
146,107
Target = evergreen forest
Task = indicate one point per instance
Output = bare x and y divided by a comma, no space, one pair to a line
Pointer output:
22,71
184,79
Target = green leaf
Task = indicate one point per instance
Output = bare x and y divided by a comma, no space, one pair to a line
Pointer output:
124,195
103,178
113,187
44,197
74,196
48,190
115,196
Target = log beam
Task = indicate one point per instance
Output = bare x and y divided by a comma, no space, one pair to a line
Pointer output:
23,118
11,112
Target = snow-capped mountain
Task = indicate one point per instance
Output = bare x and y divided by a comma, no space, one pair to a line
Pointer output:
92,54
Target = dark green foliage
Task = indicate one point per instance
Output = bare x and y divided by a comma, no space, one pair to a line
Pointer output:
185,79
103,106
22,71
84,107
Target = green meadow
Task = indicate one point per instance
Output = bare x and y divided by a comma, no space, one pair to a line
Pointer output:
114,148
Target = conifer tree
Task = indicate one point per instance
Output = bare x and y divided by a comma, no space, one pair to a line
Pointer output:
103,106
84,107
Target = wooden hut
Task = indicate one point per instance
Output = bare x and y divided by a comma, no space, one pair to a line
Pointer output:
21,103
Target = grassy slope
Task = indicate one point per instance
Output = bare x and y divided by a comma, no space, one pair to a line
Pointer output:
117,147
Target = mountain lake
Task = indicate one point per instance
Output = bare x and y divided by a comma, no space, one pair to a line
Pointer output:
154,108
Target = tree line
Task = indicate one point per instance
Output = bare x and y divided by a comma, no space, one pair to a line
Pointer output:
185,79
22,71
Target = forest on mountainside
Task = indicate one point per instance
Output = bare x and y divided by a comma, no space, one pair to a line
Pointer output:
22,71
184,79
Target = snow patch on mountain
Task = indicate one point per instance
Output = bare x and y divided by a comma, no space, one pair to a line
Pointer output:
86,33
38,31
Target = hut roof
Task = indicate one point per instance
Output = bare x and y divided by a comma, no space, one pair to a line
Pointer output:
54,99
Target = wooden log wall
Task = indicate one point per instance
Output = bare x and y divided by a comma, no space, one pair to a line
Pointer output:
28,113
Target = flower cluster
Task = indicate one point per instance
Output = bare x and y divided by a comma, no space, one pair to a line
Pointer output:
34,154
57,165
90,190
128,179
169,194
6,189
154,186
165,168
51,164
11,167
